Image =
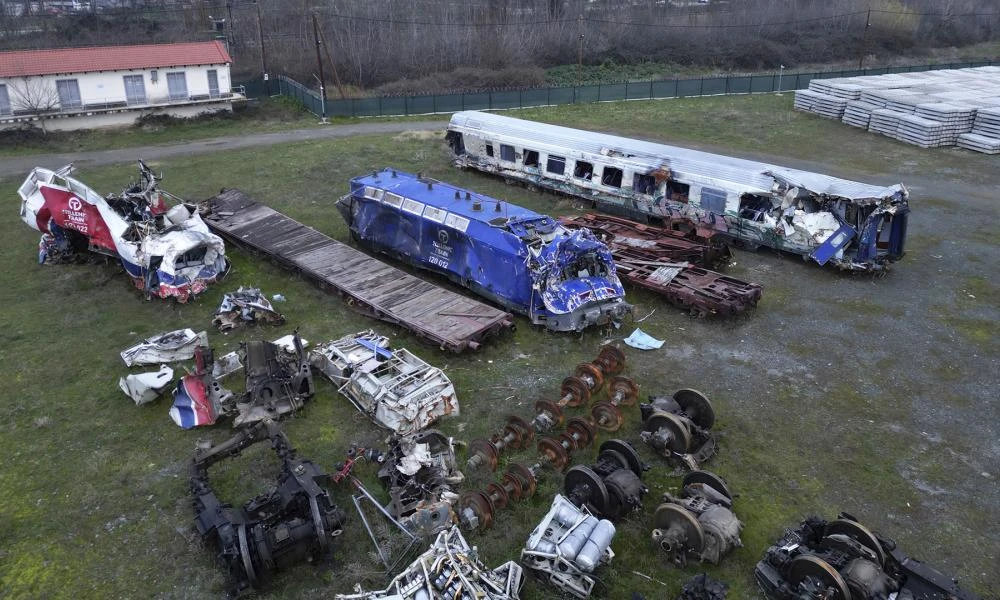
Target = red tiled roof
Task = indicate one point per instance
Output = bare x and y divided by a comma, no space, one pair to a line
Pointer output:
21,63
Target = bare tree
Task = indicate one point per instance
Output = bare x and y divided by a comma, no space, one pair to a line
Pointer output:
34,97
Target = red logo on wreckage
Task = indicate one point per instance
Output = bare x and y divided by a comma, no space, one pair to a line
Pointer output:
70,212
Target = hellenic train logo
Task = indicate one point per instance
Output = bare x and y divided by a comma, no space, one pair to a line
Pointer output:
75,204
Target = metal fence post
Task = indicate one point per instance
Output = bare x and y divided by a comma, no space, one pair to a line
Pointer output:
548,96
406,105
491,98
380,106
701,86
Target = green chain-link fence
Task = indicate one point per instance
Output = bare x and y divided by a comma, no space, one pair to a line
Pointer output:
378,106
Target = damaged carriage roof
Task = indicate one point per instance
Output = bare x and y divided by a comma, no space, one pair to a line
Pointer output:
458,201
734,174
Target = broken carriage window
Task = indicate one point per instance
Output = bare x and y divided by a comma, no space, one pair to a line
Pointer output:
754,207
489,149
644,184
507,153
556,165
678,192
612,177
530,158
583,169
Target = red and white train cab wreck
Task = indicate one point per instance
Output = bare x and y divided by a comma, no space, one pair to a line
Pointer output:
168,251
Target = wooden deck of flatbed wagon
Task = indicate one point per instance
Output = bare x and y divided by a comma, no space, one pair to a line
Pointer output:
443,317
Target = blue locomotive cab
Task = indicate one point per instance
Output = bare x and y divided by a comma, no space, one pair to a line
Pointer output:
525,261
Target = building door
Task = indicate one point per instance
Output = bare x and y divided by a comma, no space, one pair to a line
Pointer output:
69,93
213,83
135,90
177,85
4,101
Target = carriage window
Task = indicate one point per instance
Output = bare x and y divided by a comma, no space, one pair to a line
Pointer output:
713,200
556,164
678,192
530,158
489,149
644,184
506,153
583,169
612,177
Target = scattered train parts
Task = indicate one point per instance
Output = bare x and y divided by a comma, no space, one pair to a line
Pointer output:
477,508
679,428
567,546
245,306
699,524
612,487
394,388
577,389
421,475
449,569
843,560
293,523
622,391
278,382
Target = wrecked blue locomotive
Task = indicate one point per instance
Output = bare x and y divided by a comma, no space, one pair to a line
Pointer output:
525,261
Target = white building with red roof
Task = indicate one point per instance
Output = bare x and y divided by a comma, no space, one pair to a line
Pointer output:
82,88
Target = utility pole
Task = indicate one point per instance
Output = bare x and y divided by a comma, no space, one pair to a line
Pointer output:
229,10
263,54
579,49
864,40
319,63
333,65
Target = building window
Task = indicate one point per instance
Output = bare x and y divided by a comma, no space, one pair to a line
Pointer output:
531,158
69,93
507,153
489,149
555,165
177,85
135,89
612,177
213,84
583,169
4,101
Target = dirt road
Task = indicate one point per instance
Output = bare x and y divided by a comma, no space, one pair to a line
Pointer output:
19,166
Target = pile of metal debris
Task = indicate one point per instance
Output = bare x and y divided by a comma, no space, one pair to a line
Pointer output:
394,388
422,476
245,306
278,378
167,251
673,264
295,522
449,569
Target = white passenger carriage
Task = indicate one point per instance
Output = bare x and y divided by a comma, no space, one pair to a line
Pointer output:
852,225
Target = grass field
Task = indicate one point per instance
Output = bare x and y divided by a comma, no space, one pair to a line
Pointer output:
840,393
